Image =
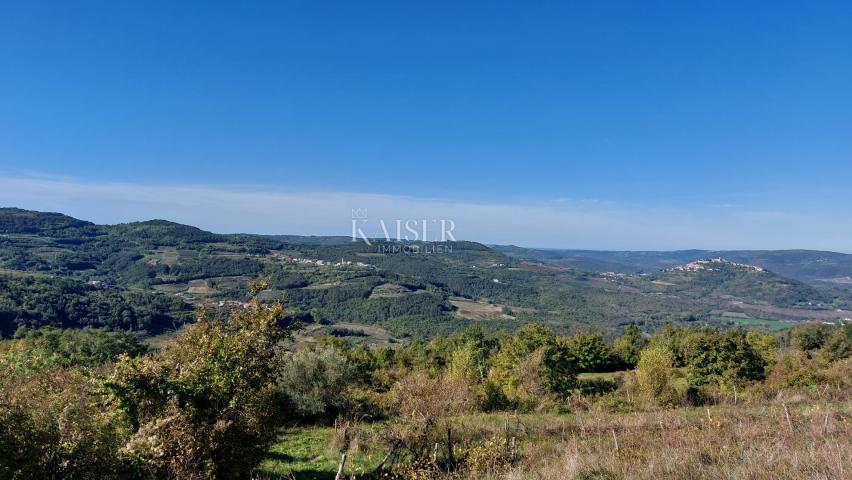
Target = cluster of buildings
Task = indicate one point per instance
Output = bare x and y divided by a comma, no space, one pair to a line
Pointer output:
235,304
100,284
318,263
707,265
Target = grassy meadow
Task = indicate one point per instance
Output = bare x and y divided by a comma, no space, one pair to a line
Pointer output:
811,439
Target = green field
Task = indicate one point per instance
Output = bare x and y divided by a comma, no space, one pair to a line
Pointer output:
309,453
774,325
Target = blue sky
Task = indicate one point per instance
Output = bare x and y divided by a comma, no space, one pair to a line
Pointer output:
556,124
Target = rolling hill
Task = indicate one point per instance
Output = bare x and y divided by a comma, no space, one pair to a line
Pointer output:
147,276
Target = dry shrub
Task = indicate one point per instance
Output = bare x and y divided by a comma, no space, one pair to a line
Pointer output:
491,457
56,424
421,404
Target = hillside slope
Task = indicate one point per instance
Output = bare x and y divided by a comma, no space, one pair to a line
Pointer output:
812,266
391,290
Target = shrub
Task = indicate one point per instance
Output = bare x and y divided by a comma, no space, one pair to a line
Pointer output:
808,337
314,381
795,369
54,424
491,457
206,405
531,365
839,343
654,371
725,358
598,386
592,353
421,404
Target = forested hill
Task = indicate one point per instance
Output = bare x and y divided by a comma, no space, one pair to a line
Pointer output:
148,276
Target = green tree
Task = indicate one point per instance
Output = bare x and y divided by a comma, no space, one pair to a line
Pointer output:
591,352
34,349
722,357
839,343
808,337
765,346
628,347
314,380
531,364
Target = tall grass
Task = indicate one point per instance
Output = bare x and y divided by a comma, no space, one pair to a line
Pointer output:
695,443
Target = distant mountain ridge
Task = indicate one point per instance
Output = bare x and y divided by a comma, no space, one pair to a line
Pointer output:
812,266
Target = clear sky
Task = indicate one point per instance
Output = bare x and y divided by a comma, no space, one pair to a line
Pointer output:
557,124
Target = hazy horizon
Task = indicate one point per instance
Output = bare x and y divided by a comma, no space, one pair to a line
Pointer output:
221,210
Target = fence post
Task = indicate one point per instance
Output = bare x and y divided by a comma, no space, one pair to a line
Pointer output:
340,466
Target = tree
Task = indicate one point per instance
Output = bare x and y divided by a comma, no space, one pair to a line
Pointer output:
808,337
722,357
591,352
654,371
314,380
628,347
531,364
839,343
764,345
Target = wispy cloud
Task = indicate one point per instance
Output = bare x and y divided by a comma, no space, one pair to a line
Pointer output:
566,223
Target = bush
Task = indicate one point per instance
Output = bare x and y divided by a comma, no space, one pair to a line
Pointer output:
808,337
531,365
55,424
421,404
597,386
839,343
314,381
206,405
654,372
725,358
592,353
490,457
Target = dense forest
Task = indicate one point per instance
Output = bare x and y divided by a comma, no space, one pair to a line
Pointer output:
39,301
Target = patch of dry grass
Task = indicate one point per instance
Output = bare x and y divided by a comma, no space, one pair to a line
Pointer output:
766,442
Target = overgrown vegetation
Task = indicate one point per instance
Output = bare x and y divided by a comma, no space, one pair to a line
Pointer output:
213,402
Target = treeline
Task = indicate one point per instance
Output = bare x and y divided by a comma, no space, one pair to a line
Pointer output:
39,349
534,370
27,222
39,301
